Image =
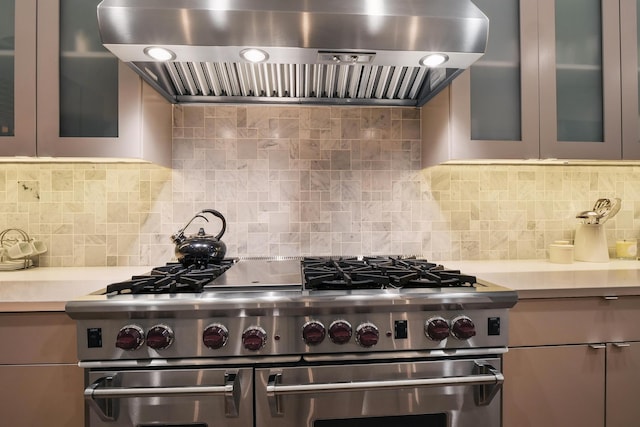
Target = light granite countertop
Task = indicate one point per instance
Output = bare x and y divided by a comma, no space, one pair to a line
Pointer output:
543,279
48,289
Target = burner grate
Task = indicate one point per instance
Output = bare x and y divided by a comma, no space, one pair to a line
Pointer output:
379,273
172,278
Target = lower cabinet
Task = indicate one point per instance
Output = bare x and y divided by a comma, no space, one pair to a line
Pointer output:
573,362
554,386
42,395
41,383
623,384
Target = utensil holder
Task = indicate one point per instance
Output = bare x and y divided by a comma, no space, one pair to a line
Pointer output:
590,244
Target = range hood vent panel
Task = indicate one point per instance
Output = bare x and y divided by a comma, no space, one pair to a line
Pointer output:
319,51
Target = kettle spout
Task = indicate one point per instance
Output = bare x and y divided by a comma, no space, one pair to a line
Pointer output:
178,237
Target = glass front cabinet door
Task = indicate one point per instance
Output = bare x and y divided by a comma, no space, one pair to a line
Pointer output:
580,93
495,103
17,77
630,41
62,94
89,103
547,87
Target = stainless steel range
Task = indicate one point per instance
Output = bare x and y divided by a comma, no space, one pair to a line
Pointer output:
323,342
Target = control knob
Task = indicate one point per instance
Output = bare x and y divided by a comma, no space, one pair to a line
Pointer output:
130,338
215,336
159,337
254,338
436,328
340,331
313,332
463,328
367,334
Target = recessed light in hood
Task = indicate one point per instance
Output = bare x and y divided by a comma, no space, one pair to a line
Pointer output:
254,55
315,51
434,60
159,53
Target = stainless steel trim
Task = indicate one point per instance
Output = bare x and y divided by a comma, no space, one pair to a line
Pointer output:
185,362
283,297
476,352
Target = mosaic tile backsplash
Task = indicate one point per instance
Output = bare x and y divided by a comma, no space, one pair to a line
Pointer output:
306,181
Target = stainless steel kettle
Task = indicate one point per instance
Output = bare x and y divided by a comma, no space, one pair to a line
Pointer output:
200,248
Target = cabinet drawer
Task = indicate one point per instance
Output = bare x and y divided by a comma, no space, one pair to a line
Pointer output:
574,321
30,338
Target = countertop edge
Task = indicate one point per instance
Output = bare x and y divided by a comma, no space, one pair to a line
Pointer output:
32,306
49,288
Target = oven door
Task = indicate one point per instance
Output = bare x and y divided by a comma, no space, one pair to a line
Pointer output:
170,398
434,393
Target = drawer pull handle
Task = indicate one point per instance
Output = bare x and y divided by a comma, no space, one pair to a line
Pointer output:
103,397
487,381
621,344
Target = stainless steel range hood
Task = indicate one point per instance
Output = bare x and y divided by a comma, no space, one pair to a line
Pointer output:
363,52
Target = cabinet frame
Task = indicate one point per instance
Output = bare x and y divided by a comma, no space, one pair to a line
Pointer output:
463,147
611,147
23,142
144,116
447,118
629,74
50,144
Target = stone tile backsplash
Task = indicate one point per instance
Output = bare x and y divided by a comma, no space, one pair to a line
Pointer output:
300,180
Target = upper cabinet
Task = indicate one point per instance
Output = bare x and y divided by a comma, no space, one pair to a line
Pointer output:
549,86
580,93
67,96
17,77
630,48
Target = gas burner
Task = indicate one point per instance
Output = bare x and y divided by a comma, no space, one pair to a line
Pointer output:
379,273
172,278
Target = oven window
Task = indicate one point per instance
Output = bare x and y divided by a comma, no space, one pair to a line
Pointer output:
431,420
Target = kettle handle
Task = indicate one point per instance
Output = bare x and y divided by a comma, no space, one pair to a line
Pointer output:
219,215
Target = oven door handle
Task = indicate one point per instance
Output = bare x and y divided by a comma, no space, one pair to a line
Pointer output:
103,394
487,381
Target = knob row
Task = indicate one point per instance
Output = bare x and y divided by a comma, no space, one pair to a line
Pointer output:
438,328
131,337
340,332
160,337
216,335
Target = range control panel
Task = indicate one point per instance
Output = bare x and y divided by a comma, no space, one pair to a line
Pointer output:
283,335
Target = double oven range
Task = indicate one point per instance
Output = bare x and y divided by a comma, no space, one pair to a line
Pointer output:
313,342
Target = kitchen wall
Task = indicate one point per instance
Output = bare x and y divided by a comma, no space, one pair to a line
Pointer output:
306,181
